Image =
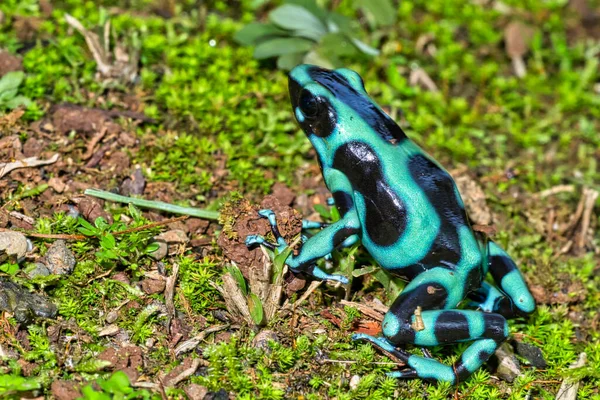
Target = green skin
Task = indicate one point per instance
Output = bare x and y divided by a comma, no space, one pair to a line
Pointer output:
407,212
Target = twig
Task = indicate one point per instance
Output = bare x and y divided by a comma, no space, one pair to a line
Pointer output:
169,292
191,344
313,285
569,387
81,237
590,196
93,142
371,312
156,205
184,374
555,190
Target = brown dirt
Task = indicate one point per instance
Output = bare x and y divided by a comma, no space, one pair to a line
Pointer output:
242,219
9,62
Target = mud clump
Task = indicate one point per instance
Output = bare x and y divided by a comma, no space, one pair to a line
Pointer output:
240,219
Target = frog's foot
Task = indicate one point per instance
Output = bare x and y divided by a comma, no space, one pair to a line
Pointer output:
318,273
257,240
385,345
518,299
281,245
253,240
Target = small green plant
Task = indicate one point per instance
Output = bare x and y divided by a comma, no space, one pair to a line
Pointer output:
116,387
128,249
11,385
9,89
302,31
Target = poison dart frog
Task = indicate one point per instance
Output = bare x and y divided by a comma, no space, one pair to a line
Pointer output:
406,211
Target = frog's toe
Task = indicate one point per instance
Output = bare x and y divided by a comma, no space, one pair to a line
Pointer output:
407,373
257,240
338,278
267,213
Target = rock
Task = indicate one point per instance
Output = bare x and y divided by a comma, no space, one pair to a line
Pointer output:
59,259
162,250
195,391
220,395
135,184
39,269
261,341
508,365
174,239
91,209
109,330
354,381
284,194
531,353
32,147
57,184
13,246
24,305
174,236
65,390
293,284
153,286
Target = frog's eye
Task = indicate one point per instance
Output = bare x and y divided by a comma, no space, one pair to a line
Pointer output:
309,105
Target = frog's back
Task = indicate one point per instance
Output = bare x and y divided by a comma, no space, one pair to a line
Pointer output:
411,214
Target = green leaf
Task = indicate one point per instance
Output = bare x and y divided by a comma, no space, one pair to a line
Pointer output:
256,32
279,263
9,268
17,102
101,223
11,81
235,272
288,61
298,19
151,248
281,46
323,211
11,383
338,44
119,382
108,241
312,7
364,271
381,11
339,23
86,228
135,213
365,48
256,309
317,58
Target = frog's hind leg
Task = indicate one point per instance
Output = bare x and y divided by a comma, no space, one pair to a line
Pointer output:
512,297
423,316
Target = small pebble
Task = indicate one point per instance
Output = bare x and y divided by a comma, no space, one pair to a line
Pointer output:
354,381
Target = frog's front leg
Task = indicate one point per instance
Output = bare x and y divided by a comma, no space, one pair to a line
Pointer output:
318,246
437,292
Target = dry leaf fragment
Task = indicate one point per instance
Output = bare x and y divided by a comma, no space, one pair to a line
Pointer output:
418,77
5,168
517,37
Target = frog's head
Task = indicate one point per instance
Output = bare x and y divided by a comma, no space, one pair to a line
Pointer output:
330,103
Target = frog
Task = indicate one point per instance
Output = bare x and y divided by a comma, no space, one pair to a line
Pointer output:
405,209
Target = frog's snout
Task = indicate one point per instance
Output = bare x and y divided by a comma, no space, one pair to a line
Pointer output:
294,89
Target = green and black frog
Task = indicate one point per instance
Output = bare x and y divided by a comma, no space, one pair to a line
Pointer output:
406,211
